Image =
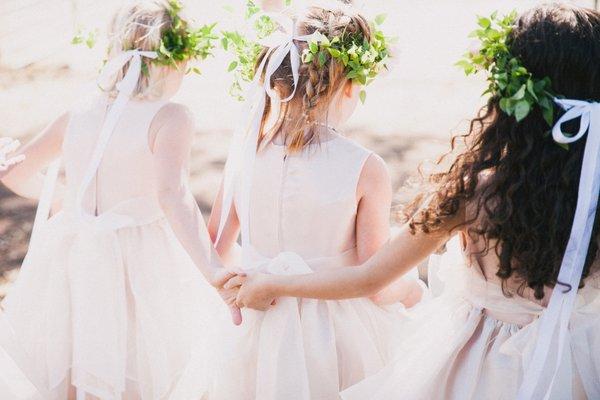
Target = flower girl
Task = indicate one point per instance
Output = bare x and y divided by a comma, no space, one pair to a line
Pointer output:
520,313
110,295
306,198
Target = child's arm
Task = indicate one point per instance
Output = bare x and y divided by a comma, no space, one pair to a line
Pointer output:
396,258
231,230
24,179
171,137
373,227
373,215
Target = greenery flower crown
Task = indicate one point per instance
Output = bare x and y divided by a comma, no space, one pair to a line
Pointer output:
362,59
518,90
182,43
179,43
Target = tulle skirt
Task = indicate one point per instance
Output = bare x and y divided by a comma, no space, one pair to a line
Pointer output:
112,309
460,350
299,349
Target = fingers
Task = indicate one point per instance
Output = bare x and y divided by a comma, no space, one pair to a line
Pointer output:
236,315
239,271
221,277
235,282
15,160
8,145
6,141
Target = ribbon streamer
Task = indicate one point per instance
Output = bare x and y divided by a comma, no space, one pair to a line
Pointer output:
242,154
554,322
125,88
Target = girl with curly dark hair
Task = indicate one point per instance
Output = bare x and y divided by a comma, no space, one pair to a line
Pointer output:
514,320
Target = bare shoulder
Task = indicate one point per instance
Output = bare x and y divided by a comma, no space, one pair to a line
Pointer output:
173,115
173,119
375,176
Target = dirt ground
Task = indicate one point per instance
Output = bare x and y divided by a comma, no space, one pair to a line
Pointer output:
409,116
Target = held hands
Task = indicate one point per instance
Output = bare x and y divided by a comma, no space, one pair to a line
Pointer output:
254,290
7,147
229,294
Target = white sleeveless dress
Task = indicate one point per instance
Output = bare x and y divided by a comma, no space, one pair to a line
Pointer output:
302,218
110,304
472,343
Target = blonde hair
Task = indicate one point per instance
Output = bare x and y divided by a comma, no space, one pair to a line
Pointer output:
297,121
139,25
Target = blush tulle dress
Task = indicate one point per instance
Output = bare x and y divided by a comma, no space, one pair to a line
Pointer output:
302,218
108,301
472,342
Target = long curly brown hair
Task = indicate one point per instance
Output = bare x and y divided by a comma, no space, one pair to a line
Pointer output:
520,185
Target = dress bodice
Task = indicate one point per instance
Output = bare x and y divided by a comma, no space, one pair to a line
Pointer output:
306,203
462,275
126,171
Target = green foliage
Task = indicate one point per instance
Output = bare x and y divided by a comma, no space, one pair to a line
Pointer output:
244,50
178,44
182,43
518,90
85,37
362,59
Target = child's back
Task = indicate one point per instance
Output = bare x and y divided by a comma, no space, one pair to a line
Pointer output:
307,203
120,282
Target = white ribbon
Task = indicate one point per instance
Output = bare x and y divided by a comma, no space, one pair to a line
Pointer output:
290,331
242,153
541,372
125,88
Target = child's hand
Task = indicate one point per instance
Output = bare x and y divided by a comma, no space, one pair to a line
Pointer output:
8,146
254,291
229,295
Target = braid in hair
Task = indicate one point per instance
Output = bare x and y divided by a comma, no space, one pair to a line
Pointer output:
297,120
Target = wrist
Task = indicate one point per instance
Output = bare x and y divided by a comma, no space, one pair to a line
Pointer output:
277,285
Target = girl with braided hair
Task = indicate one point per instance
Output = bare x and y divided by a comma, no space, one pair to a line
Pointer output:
305,198
520,312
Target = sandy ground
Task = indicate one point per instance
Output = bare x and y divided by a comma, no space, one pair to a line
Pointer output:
409,116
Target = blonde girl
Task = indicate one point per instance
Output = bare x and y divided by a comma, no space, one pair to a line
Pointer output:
113,292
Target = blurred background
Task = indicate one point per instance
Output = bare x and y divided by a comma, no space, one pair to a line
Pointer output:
409,116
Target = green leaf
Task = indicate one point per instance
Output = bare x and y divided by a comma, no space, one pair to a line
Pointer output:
505,105
307,57
363,96
322,58
563,145
531,89
313,47
520,93
522,109
335,53
380,19
484,22
233,65
548,114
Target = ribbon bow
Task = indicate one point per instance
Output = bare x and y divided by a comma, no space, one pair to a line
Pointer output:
554,322
288,330
242,153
